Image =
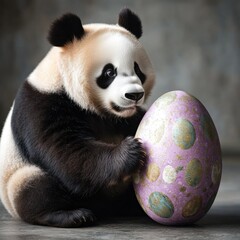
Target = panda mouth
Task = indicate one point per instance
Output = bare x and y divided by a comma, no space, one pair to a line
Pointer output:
121,109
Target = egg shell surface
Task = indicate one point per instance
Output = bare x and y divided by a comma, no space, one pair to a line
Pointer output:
182,175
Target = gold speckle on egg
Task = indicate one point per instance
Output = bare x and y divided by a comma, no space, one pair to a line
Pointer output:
193,174
153,172
179,169
169,174
195,110
183,133
182,189
179,157
192,207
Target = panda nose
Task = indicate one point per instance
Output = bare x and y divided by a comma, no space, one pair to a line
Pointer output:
134,96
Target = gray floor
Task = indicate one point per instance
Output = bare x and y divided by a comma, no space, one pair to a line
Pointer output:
222,221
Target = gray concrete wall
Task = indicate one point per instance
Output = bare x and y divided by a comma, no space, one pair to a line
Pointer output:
194,46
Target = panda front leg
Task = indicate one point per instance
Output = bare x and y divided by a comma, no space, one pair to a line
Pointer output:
110,163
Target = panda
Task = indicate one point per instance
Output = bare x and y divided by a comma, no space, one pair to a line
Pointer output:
67,151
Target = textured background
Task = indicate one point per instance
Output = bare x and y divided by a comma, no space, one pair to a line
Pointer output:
194,46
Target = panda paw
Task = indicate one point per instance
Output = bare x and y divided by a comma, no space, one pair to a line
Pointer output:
82,217
133,155
69,219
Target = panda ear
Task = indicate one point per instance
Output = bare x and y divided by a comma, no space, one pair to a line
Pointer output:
130,21
65,29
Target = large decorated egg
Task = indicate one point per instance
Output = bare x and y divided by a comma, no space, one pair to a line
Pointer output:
183,171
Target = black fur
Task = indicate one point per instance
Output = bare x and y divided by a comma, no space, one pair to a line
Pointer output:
45,202
131,22
68,143
65,29
139,73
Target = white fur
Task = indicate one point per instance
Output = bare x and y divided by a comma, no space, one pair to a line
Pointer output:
46,77
14,173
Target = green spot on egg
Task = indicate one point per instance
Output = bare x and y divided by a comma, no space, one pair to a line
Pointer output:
153,172
157,131
166,99
182,189
193,174
216,173
207,127
192,207
183,133
169,174
161,205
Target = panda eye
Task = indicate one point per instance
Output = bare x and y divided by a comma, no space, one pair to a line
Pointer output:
110,72
107,76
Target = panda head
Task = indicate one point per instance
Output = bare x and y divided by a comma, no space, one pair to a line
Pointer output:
103,68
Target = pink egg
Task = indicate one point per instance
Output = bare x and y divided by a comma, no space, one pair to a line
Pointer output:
183,171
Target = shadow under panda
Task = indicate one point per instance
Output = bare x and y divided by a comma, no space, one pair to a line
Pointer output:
67,151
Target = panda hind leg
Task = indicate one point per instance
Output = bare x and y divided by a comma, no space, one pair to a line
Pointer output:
42,201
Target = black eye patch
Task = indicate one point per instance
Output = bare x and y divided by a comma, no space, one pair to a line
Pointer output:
139,73
107,76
